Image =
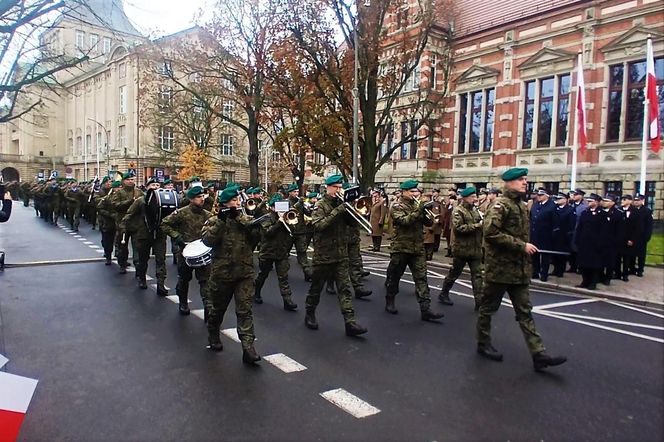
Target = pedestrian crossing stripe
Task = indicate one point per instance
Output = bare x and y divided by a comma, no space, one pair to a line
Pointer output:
231,333
284,363
350,403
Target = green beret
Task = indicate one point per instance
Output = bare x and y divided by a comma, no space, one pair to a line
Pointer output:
249,191
468,191
346,185
232,186
168,181
312,195
256,190
151,180
514,173
194,179
127,175
210,185
116,184
227,195
291,188
334,179
409,185
193,192
103,181
276,197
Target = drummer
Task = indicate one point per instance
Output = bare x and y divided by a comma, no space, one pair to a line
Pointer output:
184,226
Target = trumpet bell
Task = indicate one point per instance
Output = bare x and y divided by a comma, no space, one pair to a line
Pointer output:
291,217
363,205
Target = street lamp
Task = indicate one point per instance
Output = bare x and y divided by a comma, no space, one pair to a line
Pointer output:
356,97
105,147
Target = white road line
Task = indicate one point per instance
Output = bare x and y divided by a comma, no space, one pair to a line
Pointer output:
173,298
148,278
350,403
284,363
199,313
620,304
601,327
131,270
99,251
93,246
3,361
81,239
610,321
88,242
72,233
565,304
231,333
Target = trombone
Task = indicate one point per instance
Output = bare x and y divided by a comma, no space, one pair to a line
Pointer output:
358,209
289,219
433,217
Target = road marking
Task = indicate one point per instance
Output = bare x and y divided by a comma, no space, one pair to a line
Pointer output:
16,392
284,363
131,270
199,313
154,286
231,333
3,361
88,242
610,321
81,239
350,403
99,251
72,233
148,278
565,303
174,299
555,315
620,304
94,247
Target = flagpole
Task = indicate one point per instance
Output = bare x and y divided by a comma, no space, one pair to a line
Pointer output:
644,140
576,131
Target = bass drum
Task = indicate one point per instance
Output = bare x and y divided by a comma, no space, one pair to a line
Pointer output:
159,204
197,254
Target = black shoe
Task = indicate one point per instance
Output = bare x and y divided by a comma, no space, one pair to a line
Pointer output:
330,290
355,329
445,298
390,305
183,308
639,274
544,278
142,283
488,351
581,286
289,305
162,290
123,270
258,299
361,292
307,278
625,278
542,360
214,343
310,320
591,287
365,273
249,356
429,315
108,262
477,307
606,281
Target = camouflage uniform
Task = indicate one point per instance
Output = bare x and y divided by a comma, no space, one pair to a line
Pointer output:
25,193
74,201
300,236
466,248
120,201
507,267
274,250
231,274
185,226
330,260
106,223
407,249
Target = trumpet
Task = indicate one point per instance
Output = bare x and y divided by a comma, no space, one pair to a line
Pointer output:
250,205
289,219
433,217
359,207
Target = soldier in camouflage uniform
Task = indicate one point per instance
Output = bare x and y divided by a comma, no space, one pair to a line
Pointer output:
208,202
330,260
25,193
106,218
466,247
407,249
121,199
232,237
184,226
74,197
508,269
274,250
143,240
299,231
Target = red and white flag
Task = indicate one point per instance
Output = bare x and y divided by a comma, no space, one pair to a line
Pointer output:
654,130
15,395
581,106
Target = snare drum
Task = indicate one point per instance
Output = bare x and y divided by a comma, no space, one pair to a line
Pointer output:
159,204
197,254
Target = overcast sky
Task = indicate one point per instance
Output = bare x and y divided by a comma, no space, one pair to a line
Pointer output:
160,17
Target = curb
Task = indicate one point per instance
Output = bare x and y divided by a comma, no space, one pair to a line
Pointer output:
549,285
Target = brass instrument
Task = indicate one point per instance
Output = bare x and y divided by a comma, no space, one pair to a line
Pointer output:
250,205
289,219
433,217
359,209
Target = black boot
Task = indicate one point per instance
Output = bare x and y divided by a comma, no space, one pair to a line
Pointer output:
430,315
354,329
489,352
142,283
444,297
542,360
108,261
365,273
330,289
123,269
289,305
361,292
161,289
183,308
249,356
310,320
214,342
257,298
390,306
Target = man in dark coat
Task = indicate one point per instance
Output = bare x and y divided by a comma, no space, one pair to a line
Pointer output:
541,229
587,241
644,214
611,235
627,247
579,205
564,222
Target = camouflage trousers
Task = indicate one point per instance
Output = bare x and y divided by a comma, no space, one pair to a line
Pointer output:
74,216
185,274
300,243
142,247
355,264
122,250
418,267
107,240
520,297
337,272
475,265
265,267
219,295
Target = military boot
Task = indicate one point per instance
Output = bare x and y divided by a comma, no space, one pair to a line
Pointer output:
310,320
214,342
355,329
390,306
123,269
161,289
142,283
258,299
444,297
489,352
361,292
330,289
108,261
249,356
430,315
365,273
289,304
542,360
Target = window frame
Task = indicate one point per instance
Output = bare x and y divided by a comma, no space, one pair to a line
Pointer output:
93,46
122,100
106,45
537,134
80,40
226,144
467,110
166,138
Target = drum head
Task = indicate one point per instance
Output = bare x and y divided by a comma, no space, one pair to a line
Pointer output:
195,249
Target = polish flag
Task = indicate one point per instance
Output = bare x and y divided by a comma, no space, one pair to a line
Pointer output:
581,106
15,395
654,130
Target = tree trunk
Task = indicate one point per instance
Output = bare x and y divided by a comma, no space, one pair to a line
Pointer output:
253,149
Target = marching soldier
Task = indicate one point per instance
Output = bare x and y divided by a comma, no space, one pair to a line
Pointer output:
75,199
232,237
446,219
121,199
466,247
299,231
211,192
564,220
308,206
184,226
168,185
274,251
507,264
107,218
587,241
407,249
330,260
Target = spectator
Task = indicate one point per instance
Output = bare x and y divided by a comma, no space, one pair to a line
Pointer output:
611,233
541,233
564,222
644,215
627,247
6,204
587,240
579,205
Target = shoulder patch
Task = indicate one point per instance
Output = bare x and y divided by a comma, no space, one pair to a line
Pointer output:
497,206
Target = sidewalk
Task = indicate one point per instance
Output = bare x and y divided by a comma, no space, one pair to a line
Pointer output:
648,290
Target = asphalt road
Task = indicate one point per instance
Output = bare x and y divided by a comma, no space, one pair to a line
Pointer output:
118,363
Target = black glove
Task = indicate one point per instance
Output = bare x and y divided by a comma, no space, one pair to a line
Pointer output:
223,213
234,213
2,191
180,242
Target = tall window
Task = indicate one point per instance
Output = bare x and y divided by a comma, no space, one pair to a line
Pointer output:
122,70
88,143
387,135
476,121
123,100
413,81
551,187
650,193
413,141
404,145
630,89
106,46
227,176
99,142
94,39
165,137
80,40
70,146
228,107
79,145
433,72
164,68
226,147
546,112
122,137
614,187
165,99
197,107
